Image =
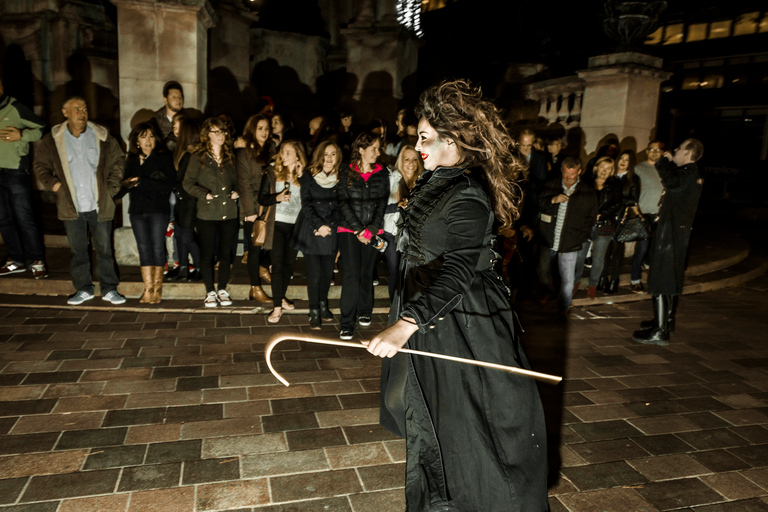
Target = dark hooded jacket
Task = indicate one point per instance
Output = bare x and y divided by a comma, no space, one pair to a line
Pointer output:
679,201
475,437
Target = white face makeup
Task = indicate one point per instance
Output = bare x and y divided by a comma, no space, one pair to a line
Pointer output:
435,151
262,131
329,159
147,142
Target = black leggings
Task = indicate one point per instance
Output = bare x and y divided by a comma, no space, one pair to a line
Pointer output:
357,285
283,260
207,230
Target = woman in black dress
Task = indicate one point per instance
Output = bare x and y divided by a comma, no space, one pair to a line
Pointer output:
315,231
475,438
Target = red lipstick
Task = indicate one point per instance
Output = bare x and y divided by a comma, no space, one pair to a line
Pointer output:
424,156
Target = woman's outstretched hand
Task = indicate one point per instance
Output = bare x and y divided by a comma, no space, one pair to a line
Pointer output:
392,339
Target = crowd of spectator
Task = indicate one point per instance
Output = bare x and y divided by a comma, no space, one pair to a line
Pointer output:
335,195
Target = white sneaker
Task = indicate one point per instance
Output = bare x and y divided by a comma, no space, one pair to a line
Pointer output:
114,297
211,300
224,298
79,297
12,267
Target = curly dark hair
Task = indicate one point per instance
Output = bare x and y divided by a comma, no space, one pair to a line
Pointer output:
204,145
134,151
457,110
363,141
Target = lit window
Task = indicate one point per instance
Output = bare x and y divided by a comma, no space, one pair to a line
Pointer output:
673,34
719,29
690,81
763,23
655,38
712,80
746,24
697,32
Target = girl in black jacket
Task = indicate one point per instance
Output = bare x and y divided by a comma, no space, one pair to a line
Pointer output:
630,188
315,231
609,201
362,193
149,179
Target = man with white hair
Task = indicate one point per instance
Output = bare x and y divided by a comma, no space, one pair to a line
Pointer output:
83,164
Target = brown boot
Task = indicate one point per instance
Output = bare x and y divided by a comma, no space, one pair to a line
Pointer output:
147,276
264,275
591,292
258,294
157,280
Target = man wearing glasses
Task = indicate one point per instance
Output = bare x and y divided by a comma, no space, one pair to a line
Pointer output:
650,194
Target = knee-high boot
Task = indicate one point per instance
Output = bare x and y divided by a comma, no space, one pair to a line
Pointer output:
659,333
158,285
672,308
147,278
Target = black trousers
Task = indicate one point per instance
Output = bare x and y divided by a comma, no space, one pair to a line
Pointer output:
319,277
208,231
358,262
283,260
393,261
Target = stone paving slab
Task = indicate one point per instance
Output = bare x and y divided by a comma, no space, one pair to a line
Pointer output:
136,412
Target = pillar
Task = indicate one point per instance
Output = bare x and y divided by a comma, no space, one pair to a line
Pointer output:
621,97
158,41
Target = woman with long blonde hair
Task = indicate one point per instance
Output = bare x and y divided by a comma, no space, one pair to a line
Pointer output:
280,187
475,437
608,190
212,179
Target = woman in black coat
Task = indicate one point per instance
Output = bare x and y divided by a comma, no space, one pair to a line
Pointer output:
185,209
609,202
362,193
630,189
315,231
149,178
475,437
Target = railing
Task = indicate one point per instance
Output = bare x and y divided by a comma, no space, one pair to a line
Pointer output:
559,99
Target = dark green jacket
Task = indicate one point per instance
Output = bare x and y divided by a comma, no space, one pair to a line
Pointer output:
220,181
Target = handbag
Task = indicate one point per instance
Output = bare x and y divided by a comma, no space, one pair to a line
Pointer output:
632,229
259,232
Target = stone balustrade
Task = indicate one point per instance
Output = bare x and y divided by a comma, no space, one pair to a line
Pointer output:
559,99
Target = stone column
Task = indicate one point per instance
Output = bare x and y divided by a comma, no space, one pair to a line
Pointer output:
621,97
158,41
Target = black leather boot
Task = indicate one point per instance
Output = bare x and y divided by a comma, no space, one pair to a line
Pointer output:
672,303
601,284
612,287
659,333
325,313
314,319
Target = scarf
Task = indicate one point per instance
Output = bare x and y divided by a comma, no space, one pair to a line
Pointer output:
326,180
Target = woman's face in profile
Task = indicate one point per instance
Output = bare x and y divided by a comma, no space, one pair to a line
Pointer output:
277,125
288,155
435,151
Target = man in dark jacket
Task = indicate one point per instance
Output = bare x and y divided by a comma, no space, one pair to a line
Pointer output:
568,211
83,165
173,103
682,189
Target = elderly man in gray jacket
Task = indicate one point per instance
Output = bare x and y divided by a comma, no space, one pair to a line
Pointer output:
83,165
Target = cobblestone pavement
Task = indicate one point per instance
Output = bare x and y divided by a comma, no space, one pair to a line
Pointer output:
142,412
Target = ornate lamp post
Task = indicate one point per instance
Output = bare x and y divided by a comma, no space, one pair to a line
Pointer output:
630,22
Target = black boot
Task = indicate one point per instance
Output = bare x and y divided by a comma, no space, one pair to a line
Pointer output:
659,333
612,287
672,303
601,284
314,319
325,313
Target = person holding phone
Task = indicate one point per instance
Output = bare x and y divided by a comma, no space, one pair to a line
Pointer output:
280,187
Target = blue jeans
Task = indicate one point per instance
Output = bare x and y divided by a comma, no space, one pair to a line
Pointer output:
566,265
149,230
599,249
80,264
17,221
